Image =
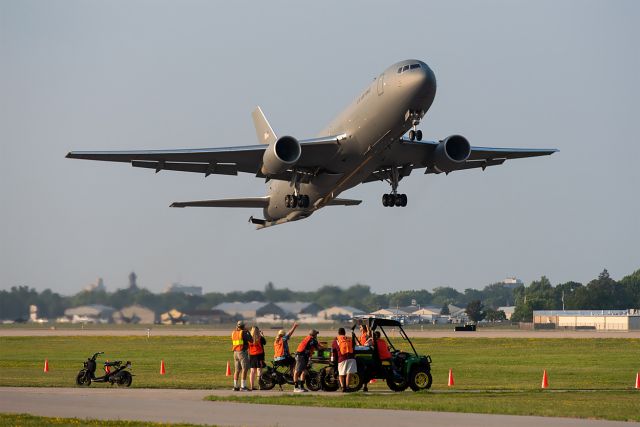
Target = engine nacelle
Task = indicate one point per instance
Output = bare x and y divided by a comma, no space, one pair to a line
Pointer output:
450,153
281,155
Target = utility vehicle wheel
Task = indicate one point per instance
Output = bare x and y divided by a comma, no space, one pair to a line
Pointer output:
396,384
82,379
420,379
267,380
312,381
328,380
355,382
124,379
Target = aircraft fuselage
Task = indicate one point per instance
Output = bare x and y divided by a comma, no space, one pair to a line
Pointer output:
375,120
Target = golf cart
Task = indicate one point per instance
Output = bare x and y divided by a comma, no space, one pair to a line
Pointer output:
405,369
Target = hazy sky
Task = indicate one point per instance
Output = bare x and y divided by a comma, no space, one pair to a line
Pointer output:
88,75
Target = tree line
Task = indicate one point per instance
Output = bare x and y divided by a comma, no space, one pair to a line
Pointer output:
601,293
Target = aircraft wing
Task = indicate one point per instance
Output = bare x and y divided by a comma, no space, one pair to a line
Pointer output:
247,202
315,154
411,155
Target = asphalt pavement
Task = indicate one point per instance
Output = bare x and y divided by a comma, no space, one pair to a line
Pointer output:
171,406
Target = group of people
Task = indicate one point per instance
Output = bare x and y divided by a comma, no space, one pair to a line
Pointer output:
249,356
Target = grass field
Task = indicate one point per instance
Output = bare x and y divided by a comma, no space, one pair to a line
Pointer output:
610,405
24,420
199,362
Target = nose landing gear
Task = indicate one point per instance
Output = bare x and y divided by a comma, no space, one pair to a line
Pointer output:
415,117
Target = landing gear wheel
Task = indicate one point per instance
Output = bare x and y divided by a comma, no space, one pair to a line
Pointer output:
420,379
398,200
391,199
403,200
287,200
294,201
419,135
385,200
306,201
412,134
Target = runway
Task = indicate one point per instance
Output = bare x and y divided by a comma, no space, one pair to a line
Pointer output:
172,406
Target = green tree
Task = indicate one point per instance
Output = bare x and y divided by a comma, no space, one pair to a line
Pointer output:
475,311
495,315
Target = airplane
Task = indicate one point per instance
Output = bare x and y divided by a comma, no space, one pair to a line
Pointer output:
364,143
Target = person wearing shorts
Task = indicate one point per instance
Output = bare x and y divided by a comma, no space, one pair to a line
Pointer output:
240,339
343,348
308,345
256,356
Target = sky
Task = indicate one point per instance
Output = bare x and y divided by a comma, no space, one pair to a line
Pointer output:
90,75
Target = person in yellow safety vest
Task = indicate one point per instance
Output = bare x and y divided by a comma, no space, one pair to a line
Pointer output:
308,345
343,347
240,339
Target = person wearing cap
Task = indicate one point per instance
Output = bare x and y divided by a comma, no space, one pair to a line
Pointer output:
240,339
307,346
343,347
281,354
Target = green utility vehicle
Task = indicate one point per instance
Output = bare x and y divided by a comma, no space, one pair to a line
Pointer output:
404,369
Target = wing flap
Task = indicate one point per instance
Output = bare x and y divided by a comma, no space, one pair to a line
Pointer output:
247,202
207,169
344,202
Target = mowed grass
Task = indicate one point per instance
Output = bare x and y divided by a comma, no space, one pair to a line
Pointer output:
25,420
610,405
199,362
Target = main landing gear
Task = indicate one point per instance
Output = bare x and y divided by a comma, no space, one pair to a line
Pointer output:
394,199
296,201
415,135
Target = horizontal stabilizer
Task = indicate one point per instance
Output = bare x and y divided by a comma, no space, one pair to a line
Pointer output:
248,202
344,202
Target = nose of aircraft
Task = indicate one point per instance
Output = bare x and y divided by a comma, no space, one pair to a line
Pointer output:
422,81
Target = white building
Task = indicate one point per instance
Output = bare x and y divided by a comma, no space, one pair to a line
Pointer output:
337,313
94,313
601,320
508,311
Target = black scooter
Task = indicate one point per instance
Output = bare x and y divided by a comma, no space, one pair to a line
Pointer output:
119,375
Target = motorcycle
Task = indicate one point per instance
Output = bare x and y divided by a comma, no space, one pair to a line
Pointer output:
116,374
281,372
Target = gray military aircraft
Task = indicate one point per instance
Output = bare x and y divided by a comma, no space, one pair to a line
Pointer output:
364,143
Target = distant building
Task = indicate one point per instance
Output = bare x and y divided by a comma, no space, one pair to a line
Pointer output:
135,314
512,282
299,310
339,313
177,288
251,310
508,311
96,287
609,320
95,313
208,317
133,281
173,317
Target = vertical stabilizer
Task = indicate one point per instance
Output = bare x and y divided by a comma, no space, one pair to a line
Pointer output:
264,132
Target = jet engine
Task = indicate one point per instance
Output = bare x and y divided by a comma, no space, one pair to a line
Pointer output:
281,155
450,153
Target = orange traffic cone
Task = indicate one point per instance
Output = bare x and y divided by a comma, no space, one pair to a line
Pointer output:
638,381
450,383
545,380
373,381
228,372
162,370
107,369
46,365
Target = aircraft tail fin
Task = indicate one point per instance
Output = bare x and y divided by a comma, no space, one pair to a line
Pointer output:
264,131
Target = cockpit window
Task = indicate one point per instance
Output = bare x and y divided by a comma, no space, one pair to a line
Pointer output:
399,70
415,66
405,68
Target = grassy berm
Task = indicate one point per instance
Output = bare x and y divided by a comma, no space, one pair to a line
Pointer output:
25,420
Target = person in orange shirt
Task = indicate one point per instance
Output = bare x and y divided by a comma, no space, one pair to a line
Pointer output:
308,345
383,348
365,336
281,354
256,356
343,347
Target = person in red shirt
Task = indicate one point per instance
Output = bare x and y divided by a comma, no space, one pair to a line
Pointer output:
256,355
308,345
343,348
